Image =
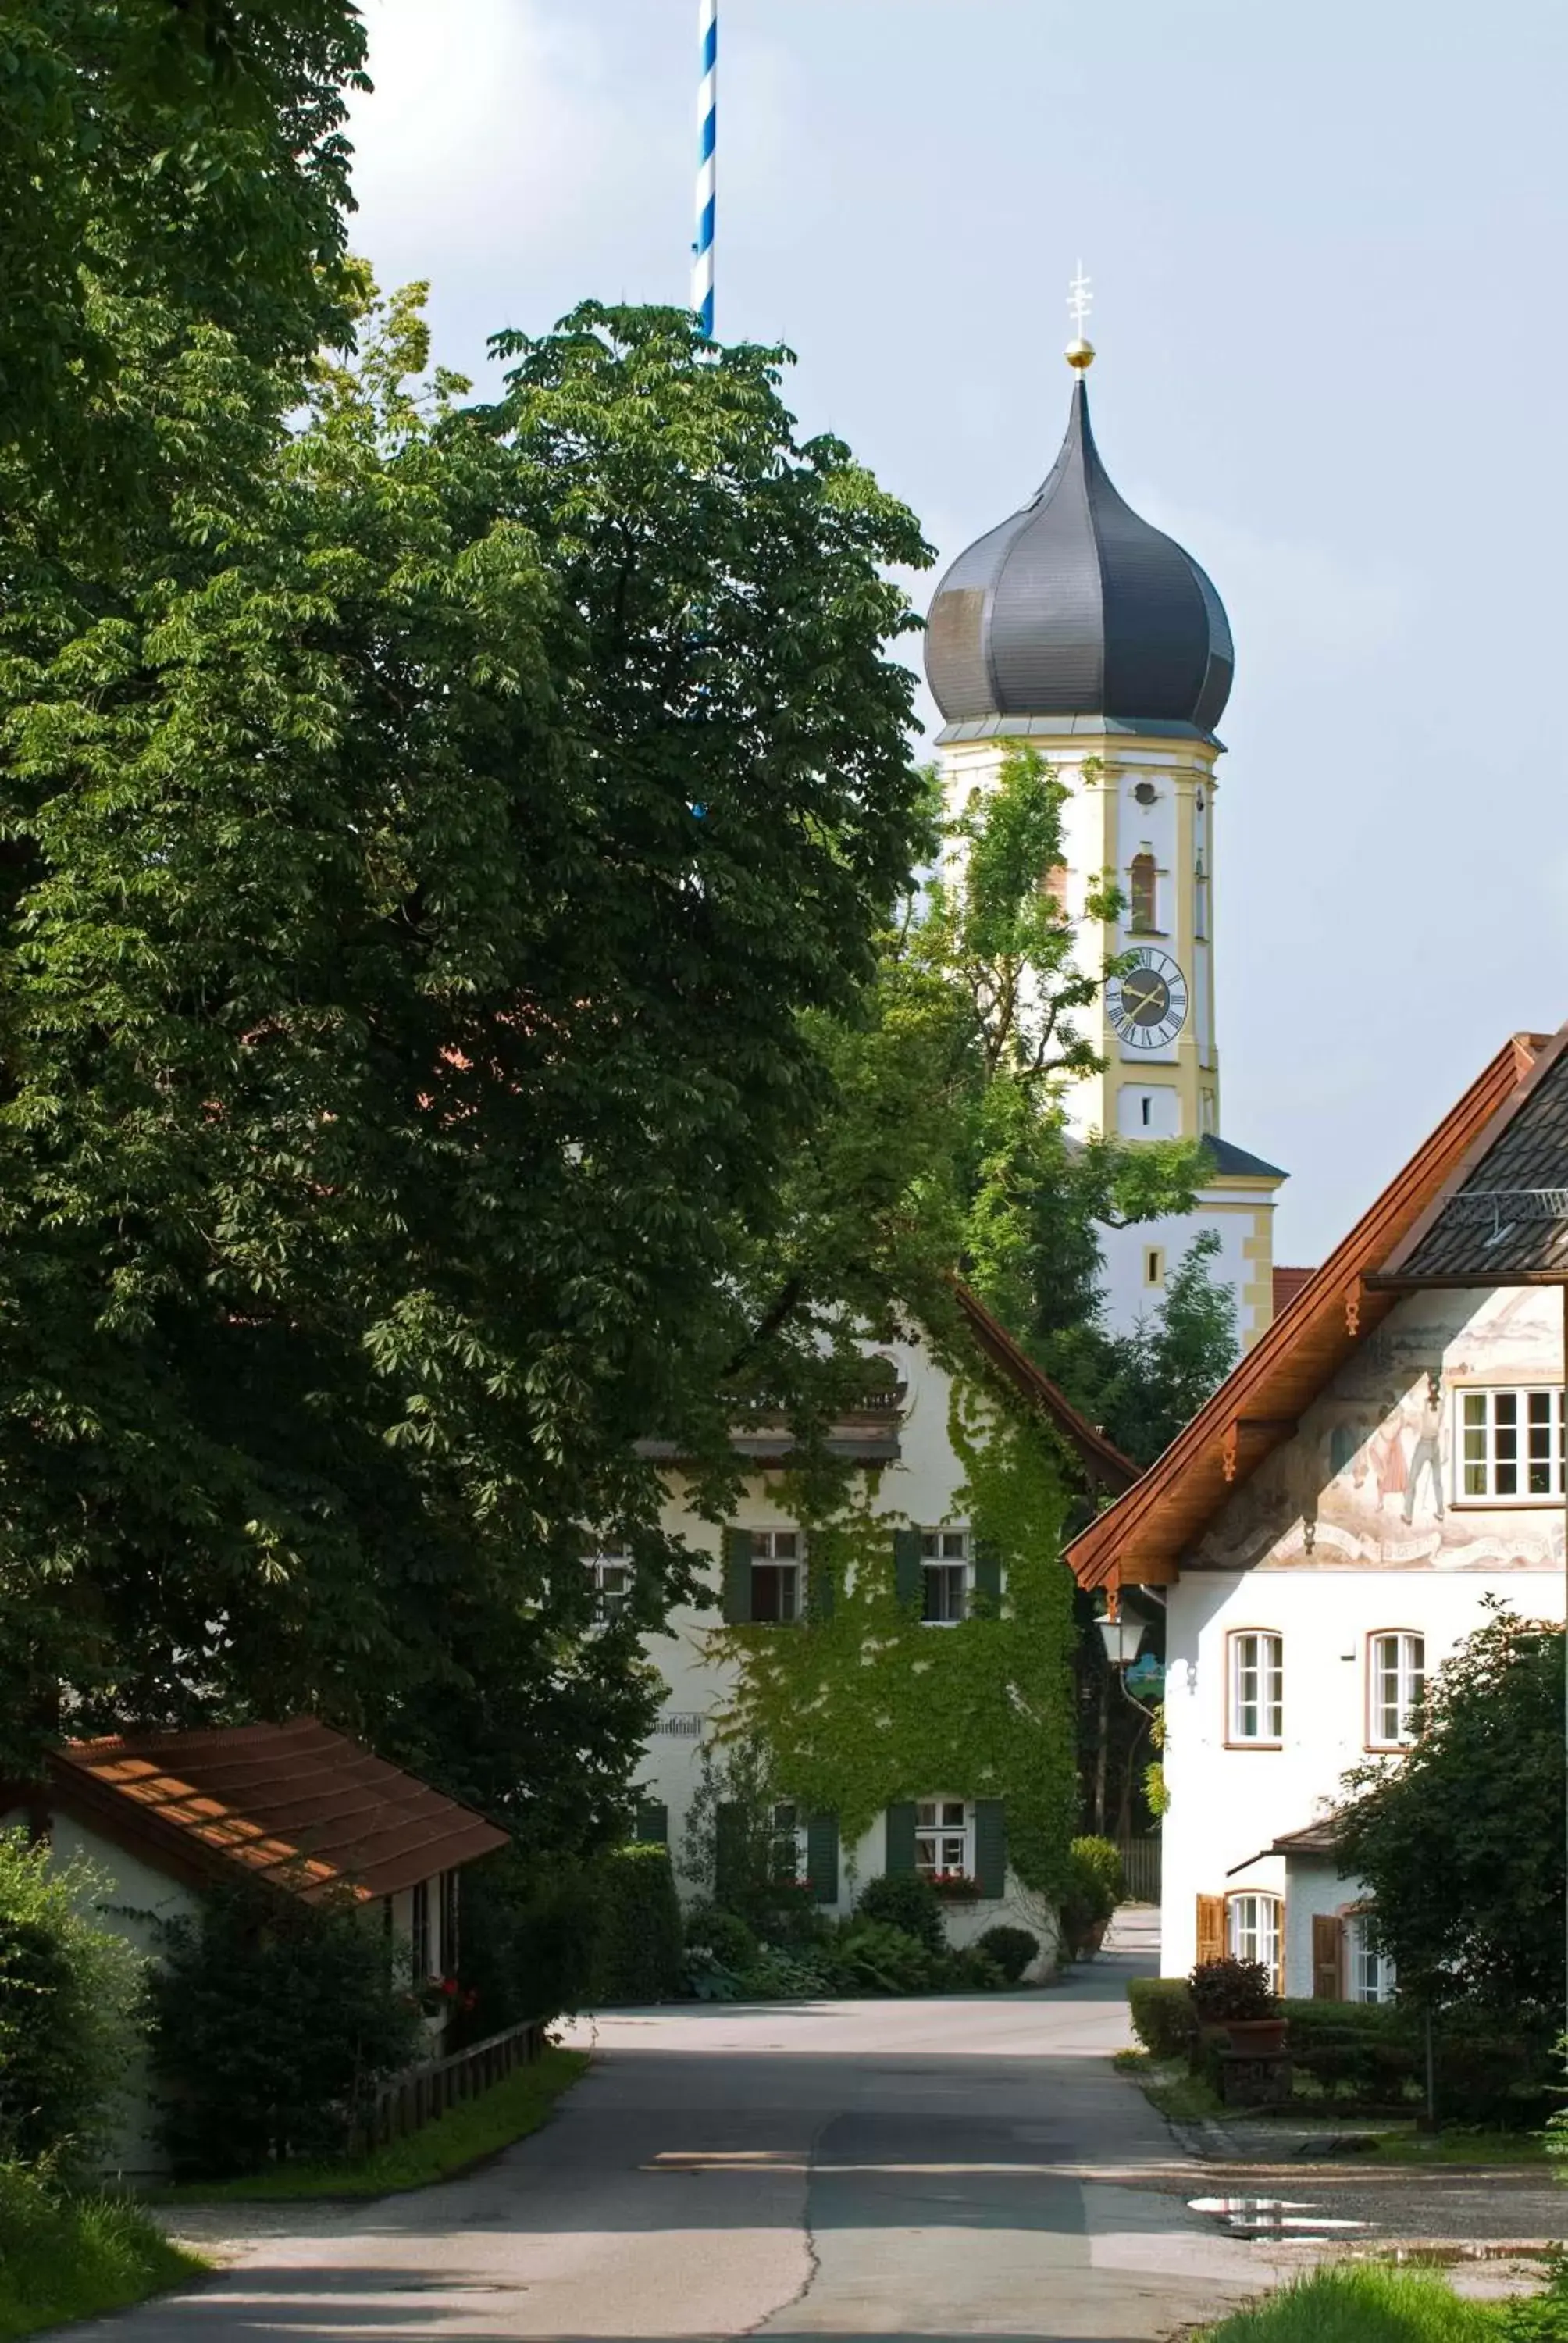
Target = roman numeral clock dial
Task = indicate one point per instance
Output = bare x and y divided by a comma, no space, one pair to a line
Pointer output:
1147,1004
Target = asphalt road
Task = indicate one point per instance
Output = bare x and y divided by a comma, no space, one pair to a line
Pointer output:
907,2170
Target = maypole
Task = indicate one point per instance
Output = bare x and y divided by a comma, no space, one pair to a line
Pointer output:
706,129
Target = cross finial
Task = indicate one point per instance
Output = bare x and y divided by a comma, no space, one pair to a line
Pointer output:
1079,350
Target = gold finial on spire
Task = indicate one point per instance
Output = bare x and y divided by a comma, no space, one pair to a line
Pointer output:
1079,350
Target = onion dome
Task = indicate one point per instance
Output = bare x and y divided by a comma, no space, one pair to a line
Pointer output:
1077,607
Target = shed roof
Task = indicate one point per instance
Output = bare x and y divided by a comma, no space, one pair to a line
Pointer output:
1142,1537
296,1805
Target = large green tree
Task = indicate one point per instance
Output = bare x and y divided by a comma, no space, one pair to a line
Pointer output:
1460,1841
431,851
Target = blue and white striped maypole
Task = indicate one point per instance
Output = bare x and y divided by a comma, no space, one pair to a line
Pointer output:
706,131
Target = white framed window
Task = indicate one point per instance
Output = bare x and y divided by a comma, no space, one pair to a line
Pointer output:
611,1576
1257,1690
944,1577
1254,1931
944,1838
1510,1445
1396,1683
776,1559
1369,1973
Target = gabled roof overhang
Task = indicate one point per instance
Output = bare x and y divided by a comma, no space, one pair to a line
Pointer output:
1142,1539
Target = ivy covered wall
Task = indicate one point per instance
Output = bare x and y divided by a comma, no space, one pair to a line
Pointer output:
864,1708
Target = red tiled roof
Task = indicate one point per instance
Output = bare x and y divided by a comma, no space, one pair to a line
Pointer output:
297,1804
1142,1538
1288,1283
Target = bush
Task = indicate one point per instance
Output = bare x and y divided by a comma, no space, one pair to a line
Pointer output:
640,1953
1095,1887
873,1956
903,1900
1375,2054
529,1947
1012,1950
275,2021
779,1974
1163,2018
971,1969
68,1998
1229,1988
724,1935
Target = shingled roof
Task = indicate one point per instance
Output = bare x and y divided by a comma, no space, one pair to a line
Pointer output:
1142,1538
1503,1219
296,1805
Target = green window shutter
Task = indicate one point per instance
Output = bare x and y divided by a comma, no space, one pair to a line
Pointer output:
990,1846
653,1823
900,1855
822,1857
728,1854
988,1574
907,1566
736,1577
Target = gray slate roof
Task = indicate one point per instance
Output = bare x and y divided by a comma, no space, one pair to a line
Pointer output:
1077,607
1506,1222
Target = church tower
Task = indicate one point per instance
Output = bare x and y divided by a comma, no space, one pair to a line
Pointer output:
1079,628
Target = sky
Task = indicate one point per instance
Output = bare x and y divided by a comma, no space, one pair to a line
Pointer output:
1326,248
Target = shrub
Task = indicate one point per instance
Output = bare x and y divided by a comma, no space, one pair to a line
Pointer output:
971,1969
529,1947
274,2021
640,1954
724,1935
903,1900
706,1978
873,1956
1163,2018
1095,1887
68,1998
1012,1950
1227,1989
779,1974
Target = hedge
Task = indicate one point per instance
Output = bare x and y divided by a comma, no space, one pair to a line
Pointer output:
641,1947
1162,2015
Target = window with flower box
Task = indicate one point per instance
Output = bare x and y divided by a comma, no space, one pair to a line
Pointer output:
944,1838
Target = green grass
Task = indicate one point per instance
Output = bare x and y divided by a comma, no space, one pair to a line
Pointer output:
1366,2305
1459,2146
1167,2085
64,2258
464,2136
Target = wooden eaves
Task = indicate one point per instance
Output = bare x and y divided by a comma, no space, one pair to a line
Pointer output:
1140,1540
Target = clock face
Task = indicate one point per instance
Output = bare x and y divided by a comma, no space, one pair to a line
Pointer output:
1148,1005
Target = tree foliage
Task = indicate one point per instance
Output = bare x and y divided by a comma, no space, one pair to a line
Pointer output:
401,1024
1460,1841
70,1994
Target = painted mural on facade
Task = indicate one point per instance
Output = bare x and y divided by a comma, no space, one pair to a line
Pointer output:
1372,1478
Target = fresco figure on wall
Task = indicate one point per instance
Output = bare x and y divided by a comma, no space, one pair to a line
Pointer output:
1428,1455
1387,1459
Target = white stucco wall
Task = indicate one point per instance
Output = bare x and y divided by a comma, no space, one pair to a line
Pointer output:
922,1490
1326,1559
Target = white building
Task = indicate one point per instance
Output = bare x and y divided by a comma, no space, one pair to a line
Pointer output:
1079,628
913,1484
1326,1530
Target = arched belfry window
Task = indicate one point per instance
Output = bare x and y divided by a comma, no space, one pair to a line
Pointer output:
1144,891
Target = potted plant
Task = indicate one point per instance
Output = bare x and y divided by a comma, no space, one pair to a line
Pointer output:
1237,1998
